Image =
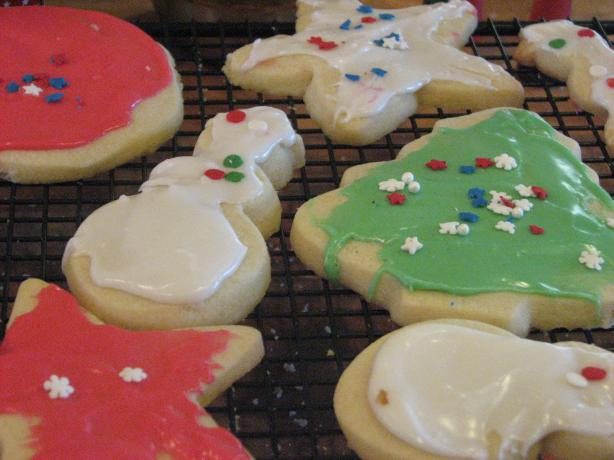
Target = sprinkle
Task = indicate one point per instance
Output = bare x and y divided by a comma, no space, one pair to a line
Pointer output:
476,192
55,97
234,176
258,126
591,258
586,33
27,78
42,80
364,9
536,230
468,217
368,20
132,374
391,185
557,43
12,87
479,202
467,169
524,190
322,44
215,174
396,198
506,202
345,25
236,116
539,192
594,373
523,204
379,72
598,71
408,177
352,76
575,379
463,229
412,245
448,228
382,398
233,161
610,222
387,16
484,162
517,212
504,161
32,89
58,59
58,387
610,82
392,41
58,83
414,187
359,26
506,226
437,165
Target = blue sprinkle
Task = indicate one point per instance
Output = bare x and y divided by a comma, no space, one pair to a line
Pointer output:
467,169
397,37
510,219
378,42
379,72
345,25
359,26
55,97
468,217
58,83
27,78
364,9
12,87
352,77
476,192
387,16
479,202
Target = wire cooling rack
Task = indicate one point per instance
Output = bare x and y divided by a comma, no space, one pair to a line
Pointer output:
312,328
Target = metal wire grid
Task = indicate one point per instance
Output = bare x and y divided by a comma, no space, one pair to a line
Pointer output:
312,328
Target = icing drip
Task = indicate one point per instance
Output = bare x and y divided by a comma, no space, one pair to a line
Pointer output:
448,387
106,417
108,69
486,260
171,243
381,58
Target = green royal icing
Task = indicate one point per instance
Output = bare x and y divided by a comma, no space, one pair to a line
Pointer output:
234,176
486,260
557,43
233,161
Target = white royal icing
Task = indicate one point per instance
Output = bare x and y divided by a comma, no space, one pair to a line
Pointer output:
171,243
448,386
410,58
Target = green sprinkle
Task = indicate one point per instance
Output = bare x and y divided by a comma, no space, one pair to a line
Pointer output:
233,161
557,43
234,176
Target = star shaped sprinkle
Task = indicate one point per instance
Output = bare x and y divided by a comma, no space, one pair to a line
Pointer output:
437,165
396,198
32,89
524,190
591,257
391,185
506,226
484,162
504,161
523,204
449,228
411,245
70,373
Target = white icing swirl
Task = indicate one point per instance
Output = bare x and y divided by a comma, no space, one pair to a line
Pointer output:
417,58
171,243
447,387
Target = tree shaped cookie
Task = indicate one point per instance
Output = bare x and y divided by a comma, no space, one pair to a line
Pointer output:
464,389
579,56
362,71
491,217
189,249
74,388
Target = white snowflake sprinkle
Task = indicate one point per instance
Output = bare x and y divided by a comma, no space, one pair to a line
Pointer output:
517,212
506,226
504,161
524,190
391,185
407,177
591,258
132,374
411,245
449,228
32,89
58,387
414,187
523,204
577,380
463,229
499,208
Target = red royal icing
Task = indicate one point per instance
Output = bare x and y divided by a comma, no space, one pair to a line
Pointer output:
539,192
235,116
215,174
610,82
536,230
437,164
396,198
594,373
368,19
586,33
107,417
110,66
484,162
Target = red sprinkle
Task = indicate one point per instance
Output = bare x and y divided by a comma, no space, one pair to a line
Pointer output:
484,162
396,198
437,164
506,202
58,59
215,174
315,40
368,19
235,116
539,192
610,82
586,33
323,45
536,230
42,80
594,373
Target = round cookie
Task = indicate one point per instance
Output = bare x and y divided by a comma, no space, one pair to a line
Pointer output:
462,389
189,249
81,92
363,71
492,217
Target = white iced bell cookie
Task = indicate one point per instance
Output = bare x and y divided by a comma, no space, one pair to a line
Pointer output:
369,64
174,243
577,55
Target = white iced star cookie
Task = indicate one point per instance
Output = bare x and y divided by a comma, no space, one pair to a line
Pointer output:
361,71
578,56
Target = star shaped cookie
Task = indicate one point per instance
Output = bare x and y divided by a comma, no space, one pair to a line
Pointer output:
75,388
361,71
